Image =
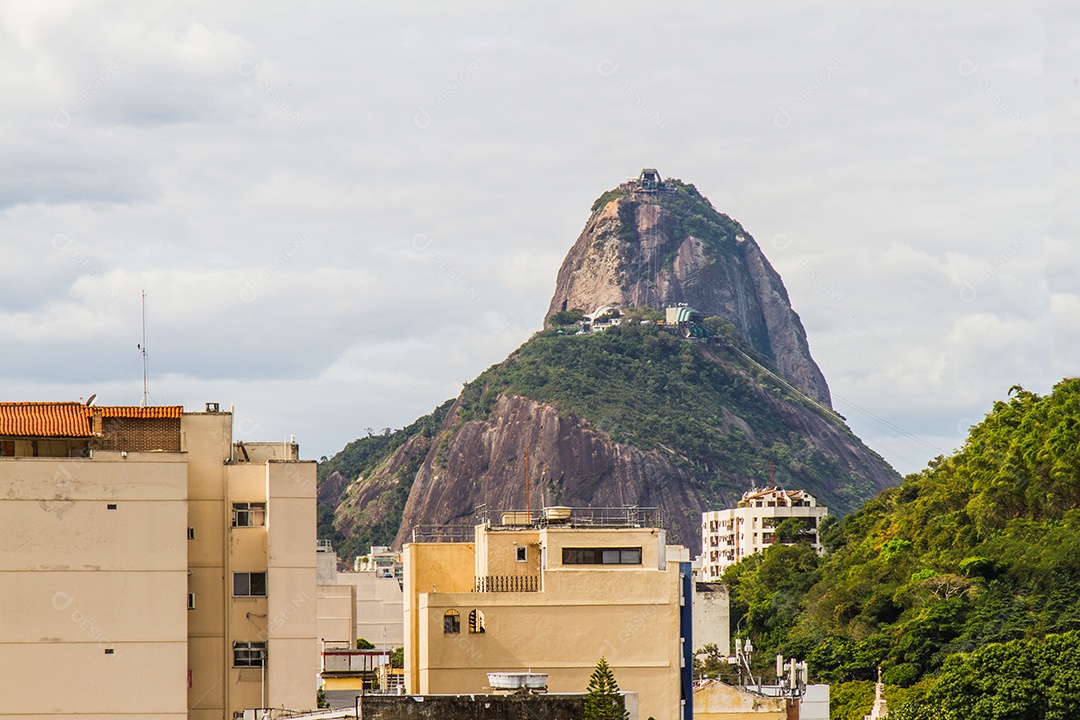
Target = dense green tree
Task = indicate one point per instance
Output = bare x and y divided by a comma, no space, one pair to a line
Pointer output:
981,547
1020,679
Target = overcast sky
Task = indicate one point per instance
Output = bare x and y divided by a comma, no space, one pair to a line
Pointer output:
340,212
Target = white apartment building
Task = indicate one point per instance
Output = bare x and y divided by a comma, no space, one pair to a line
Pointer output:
728,536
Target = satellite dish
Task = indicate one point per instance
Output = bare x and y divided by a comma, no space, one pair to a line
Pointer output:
91,399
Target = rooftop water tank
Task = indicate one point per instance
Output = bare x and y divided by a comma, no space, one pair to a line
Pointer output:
517,681
557,513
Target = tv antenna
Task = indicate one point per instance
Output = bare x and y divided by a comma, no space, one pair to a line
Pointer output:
142,348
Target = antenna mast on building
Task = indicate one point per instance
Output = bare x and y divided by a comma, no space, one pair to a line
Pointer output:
142,347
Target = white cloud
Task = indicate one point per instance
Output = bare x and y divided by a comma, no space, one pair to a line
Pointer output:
265,172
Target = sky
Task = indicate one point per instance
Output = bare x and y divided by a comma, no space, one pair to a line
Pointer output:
340,212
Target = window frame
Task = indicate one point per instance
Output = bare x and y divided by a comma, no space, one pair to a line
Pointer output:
521,553
251,591
627,556
249,654
253,514
451,622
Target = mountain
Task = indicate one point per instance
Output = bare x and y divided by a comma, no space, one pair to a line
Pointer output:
978,554
633,415
668,246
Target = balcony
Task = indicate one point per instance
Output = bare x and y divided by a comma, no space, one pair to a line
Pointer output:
507,583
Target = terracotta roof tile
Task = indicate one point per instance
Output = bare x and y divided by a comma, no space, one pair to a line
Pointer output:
134,411
44,419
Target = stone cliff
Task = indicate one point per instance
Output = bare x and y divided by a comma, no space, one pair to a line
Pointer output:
658,249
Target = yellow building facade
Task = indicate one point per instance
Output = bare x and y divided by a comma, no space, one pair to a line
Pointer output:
551,593
151,567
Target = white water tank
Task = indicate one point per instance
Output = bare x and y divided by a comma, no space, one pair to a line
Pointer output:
517,681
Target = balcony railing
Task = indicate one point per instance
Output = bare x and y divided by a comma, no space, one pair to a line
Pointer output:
612,517
507,583
443,533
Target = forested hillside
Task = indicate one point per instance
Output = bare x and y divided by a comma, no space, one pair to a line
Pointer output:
634,415
927,579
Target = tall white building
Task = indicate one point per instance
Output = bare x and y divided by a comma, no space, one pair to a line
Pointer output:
728,536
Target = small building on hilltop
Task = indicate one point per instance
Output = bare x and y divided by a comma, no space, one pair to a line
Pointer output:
686,321
728,536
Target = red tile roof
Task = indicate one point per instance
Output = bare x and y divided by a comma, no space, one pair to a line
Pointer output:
69,419
44,419
134,411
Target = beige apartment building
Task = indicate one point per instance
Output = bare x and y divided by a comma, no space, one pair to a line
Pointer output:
728,536
150,567
551,592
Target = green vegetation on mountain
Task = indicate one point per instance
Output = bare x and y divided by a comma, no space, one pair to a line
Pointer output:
363,459
1036,678
648,388
981,548
719,421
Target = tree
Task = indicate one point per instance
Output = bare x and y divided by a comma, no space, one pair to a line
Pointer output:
603,701
792,530
363,644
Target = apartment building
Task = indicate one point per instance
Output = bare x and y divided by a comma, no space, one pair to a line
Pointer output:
551,592
728,536
150,566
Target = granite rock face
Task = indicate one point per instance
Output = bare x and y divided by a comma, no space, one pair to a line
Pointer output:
483,462
660,249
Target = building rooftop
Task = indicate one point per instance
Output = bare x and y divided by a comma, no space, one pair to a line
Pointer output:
44,419
756,493
69,419
549,517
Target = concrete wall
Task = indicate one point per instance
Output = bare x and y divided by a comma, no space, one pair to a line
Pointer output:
206,439
379,609
337,613
814,705
429,566
712,617
293,667
474,707
720,701
92,595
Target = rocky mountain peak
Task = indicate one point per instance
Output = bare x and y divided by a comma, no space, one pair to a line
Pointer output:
656,243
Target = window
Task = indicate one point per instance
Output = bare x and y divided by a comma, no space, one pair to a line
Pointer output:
249,584
110,506
601,556
451,622
249,654
522,553
476,622
191,601
191,533
249,514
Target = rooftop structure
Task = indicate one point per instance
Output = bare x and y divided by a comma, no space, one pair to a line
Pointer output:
686,320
